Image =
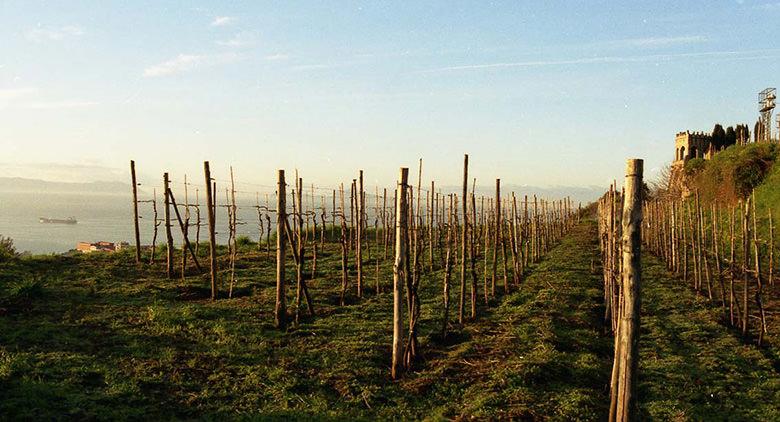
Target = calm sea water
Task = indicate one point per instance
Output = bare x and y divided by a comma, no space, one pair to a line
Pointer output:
100,217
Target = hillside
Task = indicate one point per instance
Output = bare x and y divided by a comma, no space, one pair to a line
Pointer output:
732,174
99,338
21,184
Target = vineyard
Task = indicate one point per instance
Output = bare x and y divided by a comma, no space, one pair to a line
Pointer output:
403,303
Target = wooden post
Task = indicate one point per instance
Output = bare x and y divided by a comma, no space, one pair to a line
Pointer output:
623,406
745,267
280,310
168,235
472,255
771,250
447,271
359,235
185,224
759,283
197,219
135,213
212,234
156,225
400,272
233,246
431,222
464,232
183,228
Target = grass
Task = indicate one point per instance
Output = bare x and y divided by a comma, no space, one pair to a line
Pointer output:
100,338
691,366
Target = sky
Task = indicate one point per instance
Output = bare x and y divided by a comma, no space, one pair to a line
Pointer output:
553,93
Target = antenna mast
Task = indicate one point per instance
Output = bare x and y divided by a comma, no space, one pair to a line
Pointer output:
766,103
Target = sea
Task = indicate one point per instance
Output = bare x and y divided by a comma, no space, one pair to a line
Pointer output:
101,216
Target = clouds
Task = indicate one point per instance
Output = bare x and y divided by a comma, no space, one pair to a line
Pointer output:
9,94
60,105
277,57
719,55
26,98
657,42
242,39
179,64
43,34
187,62
223,20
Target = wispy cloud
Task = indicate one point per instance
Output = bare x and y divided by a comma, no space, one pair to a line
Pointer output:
730,55
59,105
186,62
14,93
277,57
41,34
317,66
25,98
222,21
242,39
768,6
655,42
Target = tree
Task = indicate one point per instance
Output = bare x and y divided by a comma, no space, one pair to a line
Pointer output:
731,137
718,136
743,134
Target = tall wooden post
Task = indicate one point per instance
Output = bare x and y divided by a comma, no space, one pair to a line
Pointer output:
135,213
400,271
623,406
464,233
497,228
745,267
168,235
359,235
212,234
280,311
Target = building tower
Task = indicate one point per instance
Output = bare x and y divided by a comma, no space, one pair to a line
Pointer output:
766,103
777,140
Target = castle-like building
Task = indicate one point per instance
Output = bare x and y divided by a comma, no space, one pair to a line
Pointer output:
688,145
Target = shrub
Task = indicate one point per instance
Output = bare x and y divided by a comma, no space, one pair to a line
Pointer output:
21,291
751,167
7,249
27,288
243,241
694,166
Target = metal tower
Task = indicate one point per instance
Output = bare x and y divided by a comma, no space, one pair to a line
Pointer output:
778,128
766,103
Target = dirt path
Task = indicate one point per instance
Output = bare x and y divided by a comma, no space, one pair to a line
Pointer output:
542,352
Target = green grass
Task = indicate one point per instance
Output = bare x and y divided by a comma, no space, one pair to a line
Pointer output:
691,366
734,172
99,338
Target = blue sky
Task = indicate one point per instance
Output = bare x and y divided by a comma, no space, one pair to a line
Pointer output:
541,93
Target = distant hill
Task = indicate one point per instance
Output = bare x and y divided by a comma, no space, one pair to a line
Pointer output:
584,194
20,184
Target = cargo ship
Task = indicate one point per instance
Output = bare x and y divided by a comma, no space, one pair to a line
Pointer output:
69,220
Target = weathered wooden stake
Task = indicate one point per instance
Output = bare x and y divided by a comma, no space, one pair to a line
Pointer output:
135,213
280,310
400,272
212,230
464,242
168,235
623,407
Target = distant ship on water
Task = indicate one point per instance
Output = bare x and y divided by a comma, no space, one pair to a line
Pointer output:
69,220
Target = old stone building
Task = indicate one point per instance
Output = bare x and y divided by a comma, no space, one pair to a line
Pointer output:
688,145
